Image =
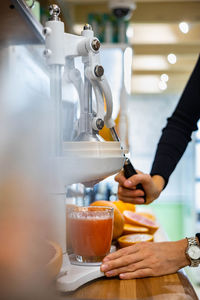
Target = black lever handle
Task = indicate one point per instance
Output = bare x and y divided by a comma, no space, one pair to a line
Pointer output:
129,171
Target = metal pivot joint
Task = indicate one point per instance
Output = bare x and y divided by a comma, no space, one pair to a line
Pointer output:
54,11
87,27
95,44
99,124
98,71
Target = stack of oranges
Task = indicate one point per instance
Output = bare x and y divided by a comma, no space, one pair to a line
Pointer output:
130,227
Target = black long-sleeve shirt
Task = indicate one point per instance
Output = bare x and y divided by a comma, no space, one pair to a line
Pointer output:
177,133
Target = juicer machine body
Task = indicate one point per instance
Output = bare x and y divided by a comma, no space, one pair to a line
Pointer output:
88,158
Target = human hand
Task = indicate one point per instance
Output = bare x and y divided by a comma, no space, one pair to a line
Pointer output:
146,259
127,191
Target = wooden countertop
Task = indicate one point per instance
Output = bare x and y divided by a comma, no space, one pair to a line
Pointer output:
169,287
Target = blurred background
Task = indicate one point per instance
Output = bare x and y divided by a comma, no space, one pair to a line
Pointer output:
154,51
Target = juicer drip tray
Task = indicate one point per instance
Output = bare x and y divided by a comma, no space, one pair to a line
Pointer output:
73,276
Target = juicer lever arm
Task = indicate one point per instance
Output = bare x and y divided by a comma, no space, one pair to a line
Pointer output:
98,120
95,73
106,91
102,90
129,171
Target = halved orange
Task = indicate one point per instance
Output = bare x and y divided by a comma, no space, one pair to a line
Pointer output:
129,229
131,239
146,214
136,219
122,206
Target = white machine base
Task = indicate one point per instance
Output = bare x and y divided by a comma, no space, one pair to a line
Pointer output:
71,276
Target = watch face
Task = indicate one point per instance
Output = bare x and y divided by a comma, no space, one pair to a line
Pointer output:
194,252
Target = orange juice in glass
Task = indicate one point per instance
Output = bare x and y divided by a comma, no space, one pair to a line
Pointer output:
91,231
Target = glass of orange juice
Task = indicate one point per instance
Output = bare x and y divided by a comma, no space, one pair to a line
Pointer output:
91,231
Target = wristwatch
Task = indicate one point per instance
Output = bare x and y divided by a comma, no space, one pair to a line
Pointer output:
193,252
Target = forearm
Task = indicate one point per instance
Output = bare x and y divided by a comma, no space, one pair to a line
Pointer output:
177,133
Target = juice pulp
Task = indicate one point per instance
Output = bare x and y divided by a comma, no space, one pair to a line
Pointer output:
91,237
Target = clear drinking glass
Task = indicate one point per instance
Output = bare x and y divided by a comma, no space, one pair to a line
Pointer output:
91,231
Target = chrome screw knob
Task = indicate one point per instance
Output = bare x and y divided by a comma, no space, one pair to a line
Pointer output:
87,27
99,71
100,124
54,11
95,44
